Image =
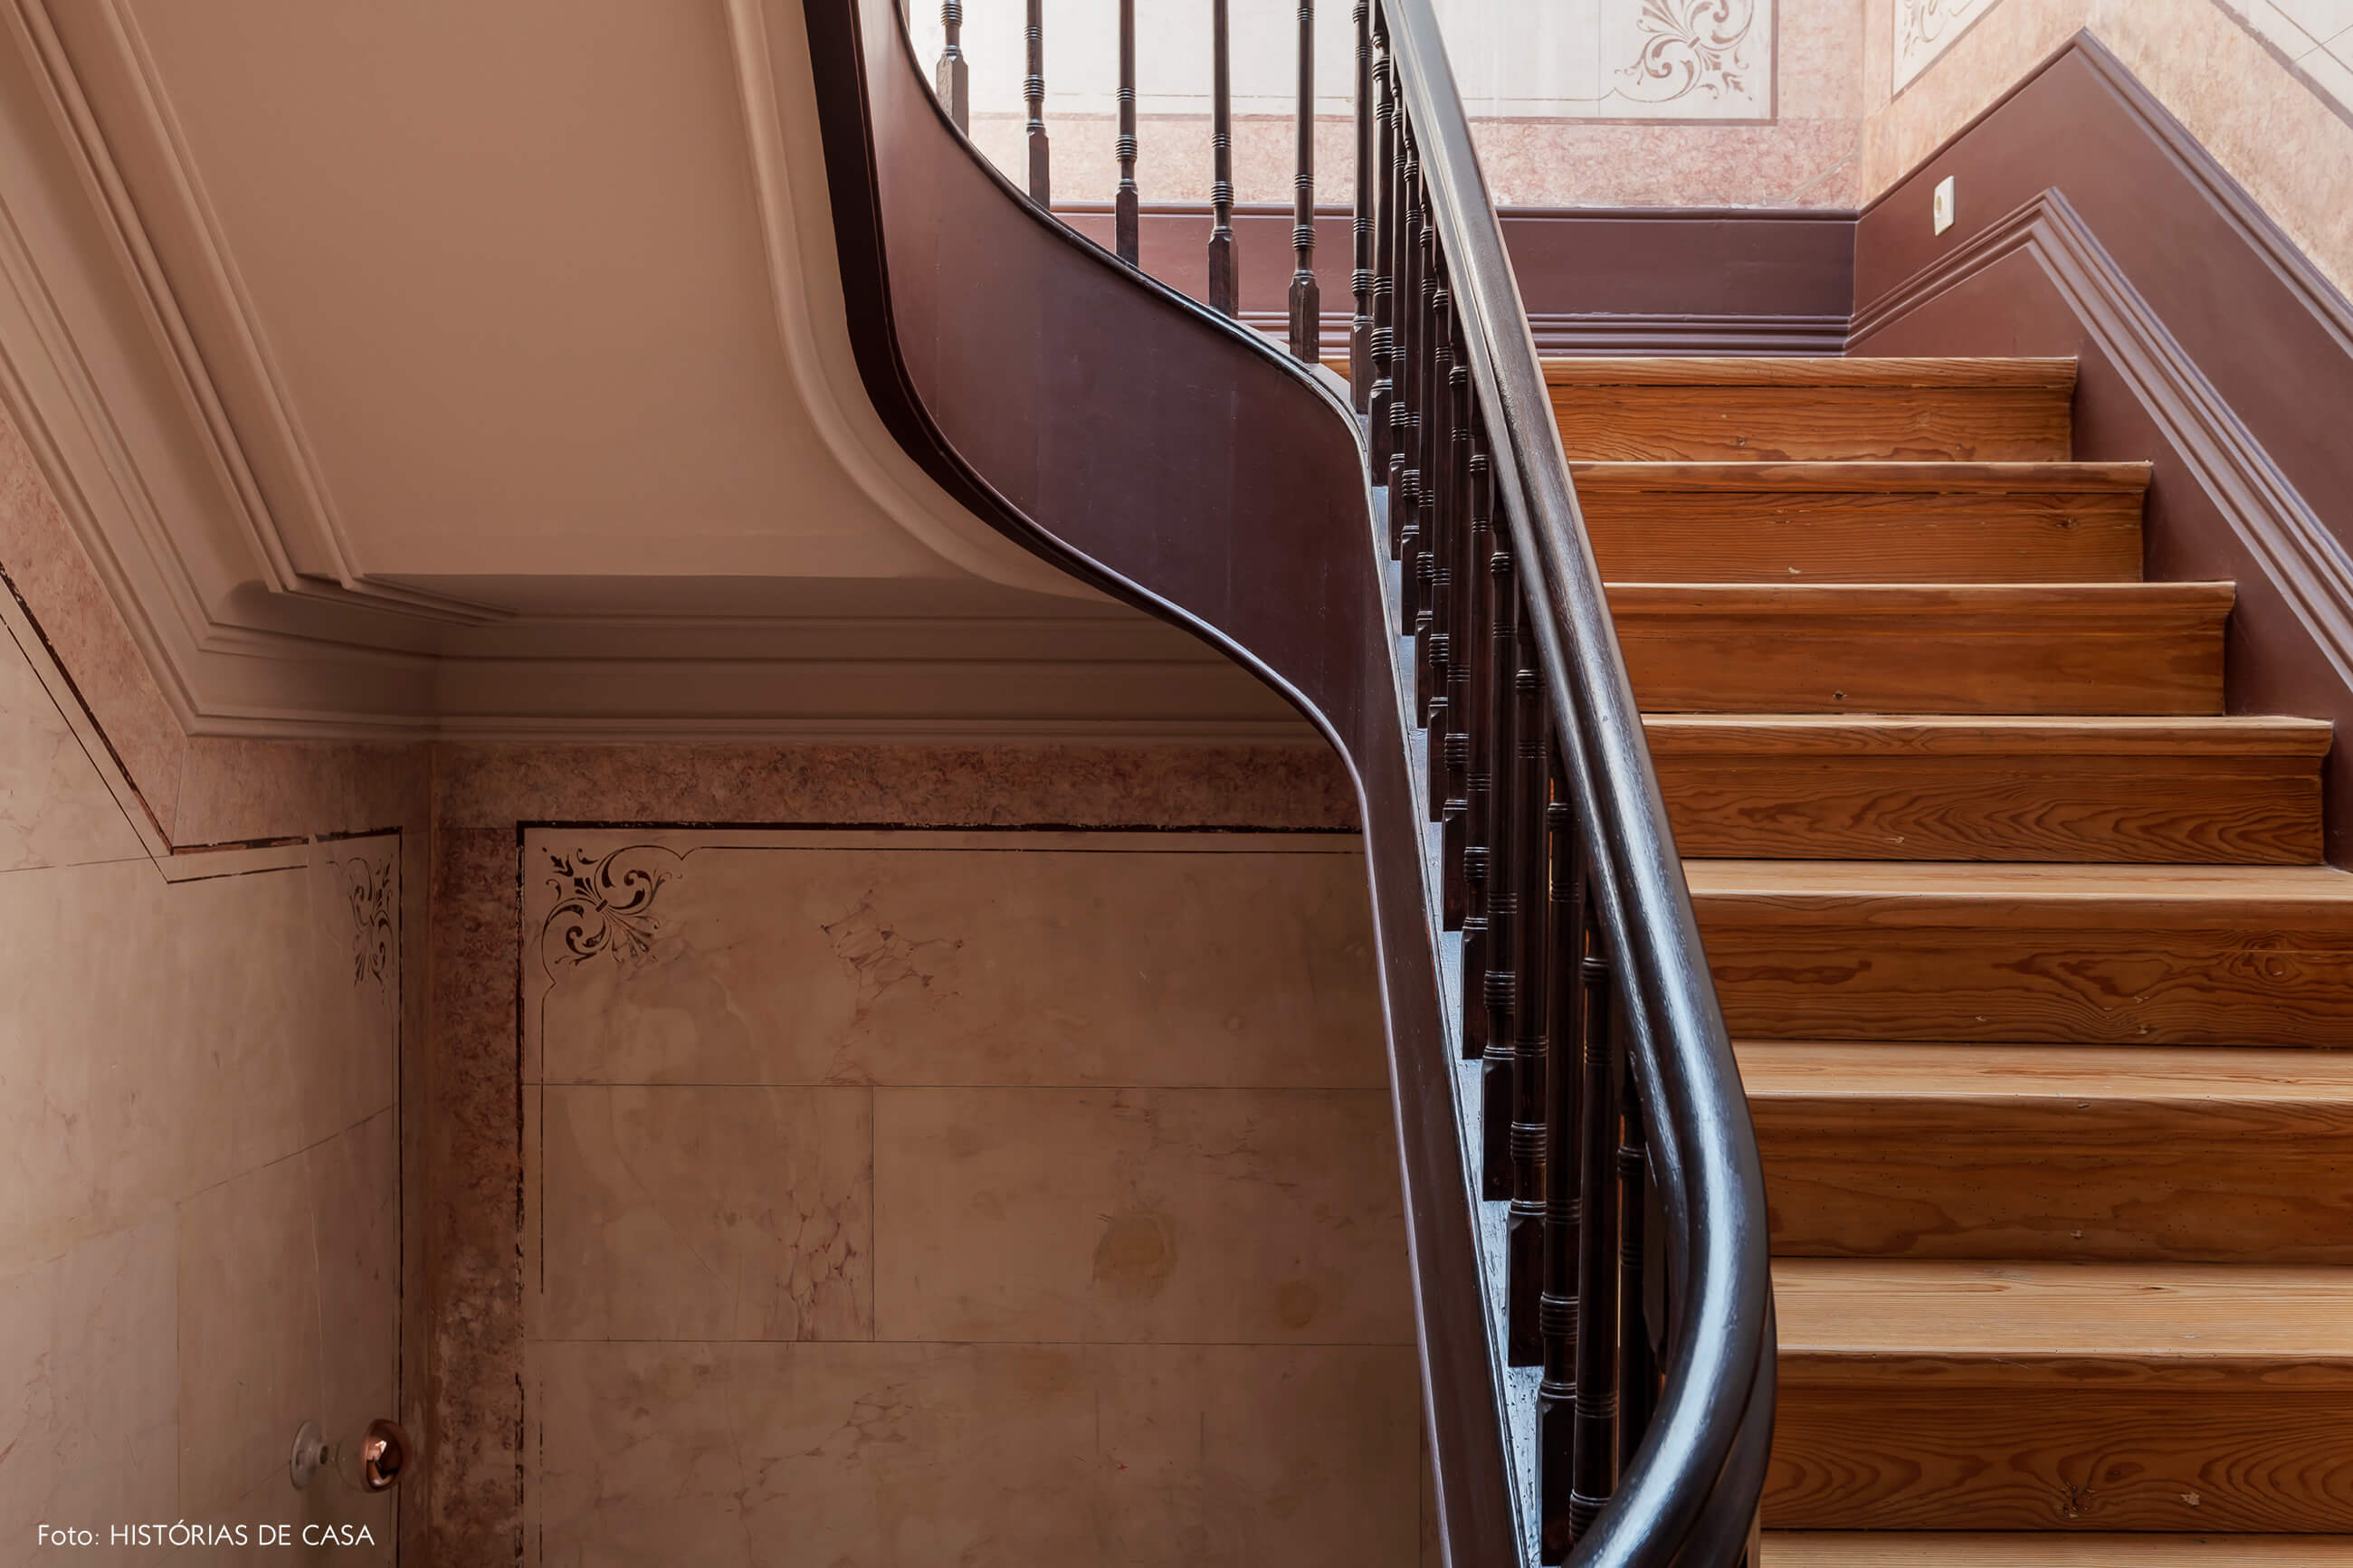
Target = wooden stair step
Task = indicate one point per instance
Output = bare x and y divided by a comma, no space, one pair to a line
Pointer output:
2122,1154
1700,409
2055,1396
1946,787
2254,956
1905,1549
1864,522
2091,647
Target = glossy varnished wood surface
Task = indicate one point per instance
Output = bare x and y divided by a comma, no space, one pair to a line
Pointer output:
2129,954
1795,409
1738,409
1927,1395
1896,1549
2034,972
2004,788
2104,649
1865,522
2113,1153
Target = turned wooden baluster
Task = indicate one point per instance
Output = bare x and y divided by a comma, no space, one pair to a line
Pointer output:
1306,305
1524,1226
1433,442
1509,819
1638,1376
1223,295
1404,407
1556,1306
953,80
1360,281
1448,653
1125,220
1593,1468
1478,793
1382,178
1033,93
1462,836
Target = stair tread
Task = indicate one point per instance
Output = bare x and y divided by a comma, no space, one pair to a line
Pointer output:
2046,1549
1834,735
2052,599
1825,1069
1929,476
2108,1323
2010,883
1828,370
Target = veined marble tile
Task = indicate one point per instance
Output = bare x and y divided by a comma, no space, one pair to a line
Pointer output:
734,1456
216,1025
674,1213
87,1364
938,959
1204,1216
248,1333
55,809
354,1182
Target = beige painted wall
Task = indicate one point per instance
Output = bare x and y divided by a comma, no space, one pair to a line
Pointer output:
989,1198
2278,130
199,1148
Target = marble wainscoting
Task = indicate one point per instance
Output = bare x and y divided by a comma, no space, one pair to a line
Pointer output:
991,1198
199,1143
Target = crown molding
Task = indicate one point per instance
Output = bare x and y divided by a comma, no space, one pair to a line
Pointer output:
131,362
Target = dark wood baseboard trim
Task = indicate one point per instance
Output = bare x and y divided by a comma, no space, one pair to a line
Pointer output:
1595,281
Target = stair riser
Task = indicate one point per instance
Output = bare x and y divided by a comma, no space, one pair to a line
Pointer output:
1802,977
1778,536
2115,1180
2087,1459
1766,424
1790,663
2139,809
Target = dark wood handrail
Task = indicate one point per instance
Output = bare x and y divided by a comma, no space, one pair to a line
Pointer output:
1695,1474
1185,464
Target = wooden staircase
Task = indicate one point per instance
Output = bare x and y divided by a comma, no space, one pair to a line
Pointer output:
2025,945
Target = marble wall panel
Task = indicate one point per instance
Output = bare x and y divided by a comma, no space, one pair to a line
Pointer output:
250,1365
89,1358
55,808
1040,1456
1044,1183
1259,1216
706,1213
922,960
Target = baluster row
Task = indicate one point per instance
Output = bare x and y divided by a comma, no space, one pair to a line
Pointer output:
1305,319
1562,1143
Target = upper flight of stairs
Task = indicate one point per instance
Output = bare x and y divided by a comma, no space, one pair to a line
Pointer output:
2028,955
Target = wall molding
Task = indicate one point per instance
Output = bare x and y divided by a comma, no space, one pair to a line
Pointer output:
2311,569
133,366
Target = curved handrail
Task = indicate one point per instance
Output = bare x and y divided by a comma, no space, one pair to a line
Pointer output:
1705,1133
1226,490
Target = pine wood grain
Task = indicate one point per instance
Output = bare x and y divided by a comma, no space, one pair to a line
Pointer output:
1814,786
1946,1395
1864,522
1896,1549
2091,648
1702,409
2181,955
2061,1459
2120,1154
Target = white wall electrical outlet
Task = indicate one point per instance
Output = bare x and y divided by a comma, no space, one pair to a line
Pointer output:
1940,206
